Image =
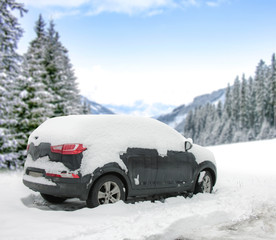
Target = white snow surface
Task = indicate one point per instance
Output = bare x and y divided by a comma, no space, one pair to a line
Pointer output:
242,207
41,180
45,163
106,136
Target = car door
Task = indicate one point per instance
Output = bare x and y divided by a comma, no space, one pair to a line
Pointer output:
142,167
177,169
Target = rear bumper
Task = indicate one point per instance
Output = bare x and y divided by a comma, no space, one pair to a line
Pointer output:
59,187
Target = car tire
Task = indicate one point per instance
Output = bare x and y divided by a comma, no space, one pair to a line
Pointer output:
205,183
108,189
52,199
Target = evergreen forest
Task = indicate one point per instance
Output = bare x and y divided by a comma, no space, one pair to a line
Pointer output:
247,113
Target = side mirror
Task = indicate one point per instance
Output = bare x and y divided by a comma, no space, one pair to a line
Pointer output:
188,144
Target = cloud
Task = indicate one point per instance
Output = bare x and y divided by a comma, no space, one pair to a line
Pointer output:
130,7
216,3
56,3
155,12
61,14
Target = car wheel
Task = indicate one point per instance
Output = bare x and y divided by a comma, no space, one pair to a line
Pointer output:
108,189
52,199
204,183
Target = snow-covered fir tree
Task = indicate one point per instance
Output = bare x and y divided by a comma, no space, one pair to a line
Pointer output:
10,33
260,90
244,124
86,107
272,95
60,79
250,107
34,92
235,107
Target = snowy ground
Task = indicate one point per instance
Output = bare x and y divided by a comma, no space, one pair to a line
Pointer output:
243,206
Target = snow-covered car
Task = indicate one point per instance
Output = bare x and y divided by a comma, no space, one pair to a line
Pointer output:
106,158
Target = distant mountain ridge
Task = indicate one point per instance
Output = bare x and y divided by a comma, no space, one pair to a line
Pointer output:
96,108
141,108
176,119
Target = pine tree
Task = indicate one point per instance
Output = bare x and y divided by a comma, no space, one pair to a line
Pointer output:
34,92
10,33
69,92
86,107
273,92
236,101
211,120
60,79
260,95
219,109
251,104
218,124
244,124
228,102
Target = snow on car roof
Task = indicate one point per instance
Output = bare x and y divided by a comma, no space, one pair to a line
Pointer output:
106,136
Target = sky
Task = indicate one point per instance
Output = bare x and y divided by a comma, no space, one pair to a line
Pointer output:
157,51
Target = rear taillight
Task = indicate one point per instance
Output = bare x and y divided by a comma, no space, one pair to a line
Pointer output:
63,175
68,149
28,146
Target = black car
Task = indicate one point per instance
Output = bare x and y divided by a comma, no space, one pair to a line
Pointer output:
103,159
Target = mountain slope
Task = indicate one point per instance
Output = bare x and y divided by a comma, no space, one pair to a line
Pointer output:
176,119
97,108
140,108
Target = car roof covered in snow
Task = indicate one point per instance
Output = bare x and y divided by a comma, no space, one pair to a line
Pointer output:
93,128
106,136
